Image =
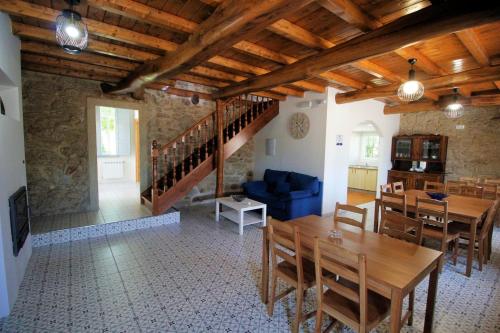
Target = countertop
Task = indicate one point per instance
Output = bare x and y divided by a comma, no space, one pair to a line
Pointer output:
363,167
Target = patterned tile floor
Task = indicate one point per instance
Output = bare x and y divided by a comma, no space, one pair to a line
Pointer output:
199,276
117,202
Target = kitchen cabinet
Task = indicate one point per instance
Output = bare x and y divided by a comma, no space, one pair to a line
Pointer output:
414,180
362,178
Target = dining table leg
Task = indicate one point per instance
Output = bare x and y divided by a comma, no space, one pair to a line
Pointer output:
470,249
265,266
376,216
431,299
396,310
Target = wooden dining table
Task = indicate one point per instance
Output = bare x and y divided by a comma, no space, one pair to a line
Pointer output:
394,267
463,209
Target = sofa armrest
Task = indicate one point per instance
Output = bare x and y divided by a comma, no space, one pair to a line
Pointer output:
296,195
255,186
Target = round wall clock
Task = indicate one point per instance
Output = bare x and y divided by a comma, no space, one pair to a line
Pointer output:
298,125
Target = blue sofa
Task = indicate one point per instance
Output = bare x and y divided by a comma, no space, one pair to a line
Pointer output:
288,195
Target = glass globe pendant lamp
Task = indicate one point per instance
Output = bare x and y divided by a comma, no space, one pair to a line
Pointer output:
411,90
71,31
455,109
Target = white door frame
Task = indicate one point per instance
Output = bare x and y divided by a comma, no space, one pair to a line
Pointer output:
92,103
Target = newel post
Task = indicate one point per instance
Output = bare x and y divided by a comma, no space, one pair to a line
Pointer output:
154,187
219,189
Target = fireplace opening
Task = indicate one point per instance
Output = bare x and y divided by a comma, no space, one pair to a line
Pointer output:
19,218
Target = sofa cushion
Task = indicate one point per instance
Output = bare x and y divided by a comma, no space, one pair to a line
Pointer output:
282,188
254,186
295,195
269,199
274,177
301,182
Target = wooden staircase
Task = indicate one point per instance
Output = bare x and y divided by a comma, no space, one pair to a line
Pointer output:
183,162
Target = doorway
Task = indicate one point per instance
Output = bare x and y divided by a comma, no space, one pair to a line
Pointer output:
363,164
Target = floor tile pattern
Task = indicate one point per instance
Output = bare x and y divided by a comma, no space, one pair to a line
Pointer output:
201,276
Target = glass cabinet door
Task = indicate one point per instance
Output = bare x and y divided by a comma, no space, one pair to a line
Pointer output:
403,148
431,149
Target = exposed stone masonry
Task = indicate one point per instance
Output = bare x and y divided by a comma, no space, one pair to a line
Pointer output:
55,124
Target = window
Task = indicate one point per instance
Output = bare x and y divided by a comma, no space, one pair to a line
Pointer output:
108,133
113,129
369,146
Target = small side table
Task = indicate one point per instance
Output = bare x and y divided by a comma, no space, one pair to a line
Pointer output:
243,213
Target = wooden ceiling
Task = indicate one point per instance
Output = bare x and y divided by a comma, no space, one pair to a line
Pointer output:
125,34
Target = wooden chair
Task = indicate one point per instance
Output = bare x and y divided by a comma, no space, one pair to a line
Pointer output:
293,269
482,233
394,202
346,298
387,188
350,220
469,180
405,228
434,187
398,187
490,190
471,191
434,215
453,186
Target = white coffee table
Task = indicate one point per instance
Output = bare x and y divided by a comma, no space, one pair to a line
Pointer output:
242,212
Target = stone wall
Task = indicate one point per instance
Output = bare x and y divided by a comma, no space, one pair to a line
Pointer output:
55,123
472,151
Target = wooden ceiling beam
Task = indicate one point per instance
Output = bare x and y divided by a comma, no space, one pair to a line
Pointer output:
138,11
480,100
433,21
68,72
351,13
86,57
423,62
41,34
471,41
342,80
299,35
480,75
265,53
231,22
96,28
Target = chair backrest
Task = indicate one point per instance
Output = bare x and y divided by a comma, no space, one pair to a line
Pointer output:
469,180
490,190
471,191
398,187
359,213
284,241
393,201
490,217
387,188
434,187
492,181
433,212
402,227
453,186
331,259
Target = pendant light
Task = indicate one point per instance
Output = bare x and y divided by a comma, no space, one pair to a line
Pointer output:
71,31
454,110
412,89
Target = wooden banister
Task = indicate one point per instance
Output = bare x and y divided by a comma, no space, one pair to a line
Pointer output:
204,146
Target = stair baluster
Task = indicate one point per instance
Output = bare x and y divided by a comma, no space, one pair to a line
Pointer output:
165,168
154,171
174,163
190,152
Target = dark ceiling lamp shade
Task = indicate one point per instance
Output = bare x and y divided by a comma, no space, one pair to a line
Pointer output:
71,31
455,109
411,90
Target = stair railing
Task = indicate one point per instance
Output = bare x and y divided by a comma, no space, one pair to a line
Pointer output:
176,159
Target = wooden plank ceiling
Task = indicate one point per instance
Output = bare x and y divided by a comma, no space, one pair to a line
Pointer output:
123,34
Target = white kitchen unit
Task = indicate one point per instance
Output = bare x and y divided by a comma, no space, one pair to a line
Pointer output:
363,178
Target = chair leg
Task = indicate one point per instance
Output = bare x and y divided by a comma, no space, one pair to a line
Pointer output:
486,251
272,295
319,320
480,255
411,303
456,243
299,298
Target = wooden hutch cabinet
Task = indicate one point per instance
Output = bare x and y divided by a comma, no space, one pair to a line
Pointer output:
427,152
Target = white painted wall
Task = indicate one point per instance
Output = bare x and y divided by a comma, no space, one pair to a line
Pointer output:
306,155
12,168
342,119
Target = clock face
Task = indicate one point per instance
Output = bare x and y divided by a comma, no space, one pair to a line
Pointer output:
298,125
